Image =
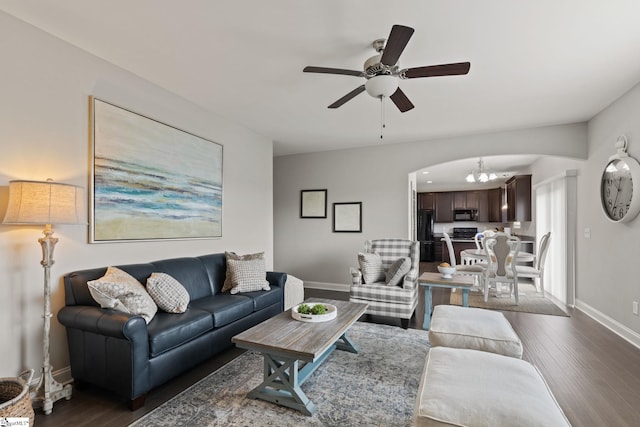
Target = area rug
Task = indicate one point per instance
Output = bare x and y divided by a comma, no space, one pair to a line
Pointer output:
530,302
376,387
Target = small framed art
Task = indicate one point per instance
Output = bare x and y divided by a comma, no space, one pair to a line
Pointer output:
347,217
313,203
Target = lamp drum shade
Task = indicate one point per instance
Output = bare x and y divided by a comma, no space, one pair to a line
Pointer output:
44,202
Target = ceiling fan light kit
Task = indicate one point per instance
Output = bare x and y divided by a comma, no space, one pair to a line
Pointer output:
381,86
382,72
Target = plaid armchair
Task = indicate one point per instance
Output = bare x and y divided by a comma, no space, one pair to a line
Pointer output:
393,301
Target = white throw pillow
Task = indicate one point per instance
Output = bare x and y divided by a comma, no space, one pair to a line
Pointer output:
168,293
247,275
122,292
371,267
397,271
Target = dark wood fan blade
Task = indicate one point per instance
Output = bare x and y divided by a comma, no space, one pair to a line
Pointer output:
397,41
456,69
401,101
333,71
348,97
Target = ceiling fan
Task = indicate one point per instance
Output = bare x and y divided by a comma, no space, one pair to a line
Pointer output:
382,71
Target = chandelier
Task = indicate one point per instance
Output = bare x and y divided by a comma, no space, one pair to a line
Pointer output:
480,174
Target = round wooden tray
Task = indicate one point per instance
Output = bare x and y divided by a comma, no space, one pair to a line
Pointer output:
332,312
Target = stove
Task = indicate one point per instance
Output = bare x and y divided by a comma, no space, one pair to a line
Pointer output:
464,232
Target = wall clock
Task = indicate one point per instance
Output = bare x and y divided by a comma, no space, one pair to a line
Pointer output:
620,185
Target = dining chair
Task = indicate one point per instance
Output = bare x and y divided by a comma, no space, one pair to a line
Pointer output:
471,269
501,249
536,272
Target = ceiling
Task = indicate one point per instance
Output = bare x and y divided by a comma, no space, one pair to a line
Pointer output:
451,175
532,63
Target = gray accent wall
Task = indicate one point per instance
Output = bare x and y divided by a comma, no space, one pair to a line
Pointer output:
377,176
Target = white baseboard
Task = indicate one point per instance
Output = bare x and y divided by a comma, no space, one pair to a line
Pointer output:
609,323
342,287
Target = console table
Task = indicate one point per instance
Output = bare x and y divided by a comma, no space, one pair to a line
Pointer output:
431,280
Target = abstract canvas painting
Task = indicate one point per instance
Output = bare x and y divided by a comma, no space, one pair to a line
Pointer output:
151,180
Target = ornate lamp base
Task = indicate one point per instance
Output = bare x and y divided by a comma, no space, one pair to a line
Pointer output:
48,389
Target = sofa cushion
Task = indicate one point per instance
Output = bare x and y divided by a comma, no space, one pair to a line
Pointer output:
122,292
167,293
263,299
225,308
190,272
169,330
371,267
397,271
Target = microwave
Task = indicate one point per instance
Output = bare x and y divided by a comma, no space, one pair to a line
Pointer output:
465,215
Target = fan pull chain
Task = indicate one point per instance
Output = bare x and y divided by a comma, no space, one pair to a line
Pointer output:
382,125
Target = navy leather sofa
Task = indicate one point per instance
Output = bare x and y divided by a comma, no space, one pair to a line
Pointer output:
120,352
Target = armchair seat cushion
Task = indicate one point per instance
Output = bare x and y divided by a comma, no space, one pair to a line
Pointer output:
225,308
170,330
383,292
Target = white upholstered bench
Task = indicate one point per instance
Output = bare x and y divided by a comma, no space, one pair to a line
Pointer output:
474,388
473,328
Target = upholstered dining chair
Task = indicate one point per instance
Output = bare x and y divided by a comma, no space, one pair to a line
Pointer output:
536,272
389,284
501,249
469,269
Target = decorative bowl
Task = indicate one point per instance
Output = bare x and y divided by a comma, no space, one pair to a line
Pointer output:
332,312
446,272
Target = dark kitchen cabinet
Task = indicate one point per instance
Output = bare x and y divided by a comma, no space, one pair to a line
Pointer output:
426,201
519,198
444,207
495,201
479,200
460,200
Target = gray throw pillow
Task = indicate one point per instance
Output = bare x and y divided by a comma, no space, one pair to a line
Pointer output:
397,271
168,293
371,267
247,275
228,284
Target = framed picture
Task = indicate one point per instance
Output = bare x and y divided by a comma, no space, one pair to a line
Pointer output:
151,181
313,203
347,217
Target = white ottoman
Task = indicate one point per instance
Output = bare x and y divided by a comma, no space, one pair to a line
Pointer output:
293,292
473,328
473,388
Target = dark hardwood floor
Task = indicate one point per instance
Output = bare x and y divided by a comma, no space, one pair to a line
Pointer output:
593,373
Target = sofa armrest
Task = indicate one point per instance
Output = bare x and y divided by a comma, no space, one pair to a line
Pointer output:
102,321
276,278
108,348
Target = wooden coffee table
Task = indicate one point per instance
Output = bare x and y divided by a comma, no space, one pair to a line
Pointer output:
292,350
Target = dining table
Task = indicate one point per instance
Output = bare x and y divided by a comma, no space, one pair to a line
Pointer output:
481,254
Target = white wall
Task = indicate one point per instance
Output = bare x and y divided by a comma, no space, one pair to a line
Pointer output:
377,177
608,279
44,86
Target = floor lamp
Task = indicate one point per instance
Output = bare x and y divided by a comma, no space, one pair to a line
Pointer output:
45,203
